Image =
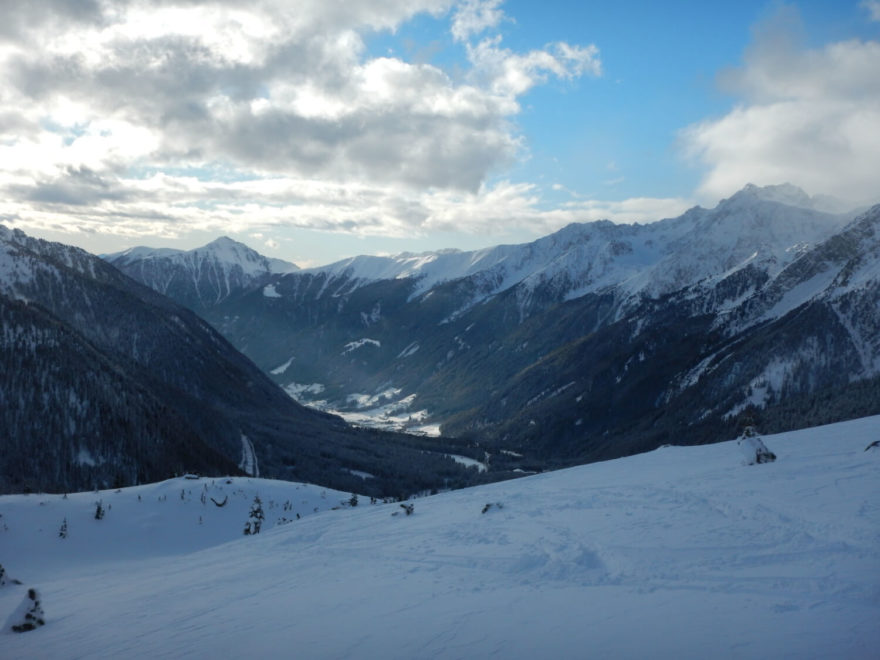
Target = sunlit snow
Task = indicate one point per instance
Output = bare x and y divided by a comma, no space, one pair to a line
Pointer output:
683,552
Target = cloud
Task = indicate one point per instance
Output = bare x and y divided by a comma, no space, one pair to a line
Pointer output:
510,74
150,117
810,117
872,7
519,206
474,16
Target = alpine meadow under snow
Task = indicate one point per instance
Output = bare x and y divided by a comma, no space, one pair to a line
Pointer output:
683,552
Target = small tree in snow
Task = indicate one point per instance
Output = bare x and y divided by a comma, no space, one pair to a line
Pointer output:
255,520
353,500
63,531
29,614
753,448
99,510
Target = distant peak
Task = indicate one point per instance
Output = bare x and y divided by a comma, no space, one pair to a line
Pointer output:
783,193
225,241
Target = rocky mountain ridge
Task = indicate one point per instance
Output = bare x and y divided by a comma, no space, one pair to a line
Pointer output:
596,341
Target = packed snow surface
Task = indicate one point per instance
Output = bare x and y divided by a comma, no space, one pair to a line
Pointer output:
683,552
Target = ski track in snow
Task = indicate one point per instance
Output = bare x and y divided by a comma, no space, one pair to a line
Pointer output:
681,552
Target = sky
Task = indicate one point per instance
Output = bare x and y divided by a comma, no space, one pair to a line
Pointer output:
320,129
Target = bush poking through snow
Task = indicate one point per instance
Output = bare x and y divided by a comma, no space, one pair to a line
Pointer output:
29,615
408,508
489,505
5,579
255,521
873,445
753,448
99,510
62,533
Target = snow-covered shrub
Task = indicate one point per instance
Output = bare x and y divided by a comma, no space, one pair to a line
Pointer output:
99,510
5,579
255,520
62,533
753,448
29,614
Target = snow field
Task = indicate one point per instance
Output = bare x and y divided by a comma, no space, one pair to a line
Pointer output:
681,552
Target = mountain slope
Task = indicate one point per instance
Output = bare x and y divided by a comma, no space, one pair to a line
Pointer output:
117,384
792,345
597,341
702,555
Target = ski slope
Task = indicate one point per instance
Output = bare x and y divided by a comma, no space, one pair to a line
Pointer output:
684,552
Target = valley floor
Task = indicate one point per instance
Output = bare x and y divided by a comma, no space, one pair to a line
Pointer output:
683,552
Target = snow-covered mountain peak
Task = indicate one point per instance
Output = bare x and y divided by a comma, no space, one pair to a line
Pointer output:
9,235
201,276
223,250
223,242
784,193
234,252
789,195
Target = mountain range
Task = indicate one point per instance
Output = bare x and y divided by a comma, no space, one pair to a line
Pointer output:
597,341
105,382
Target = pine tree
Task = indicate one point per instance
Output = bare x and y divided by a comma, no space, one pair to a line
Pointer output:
99,510
255,521
63,531
30,613
753,448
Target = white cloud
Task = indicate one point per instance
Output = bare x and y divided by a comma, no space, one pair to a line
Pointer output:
163,117
510,74
519,205
474,16
810,117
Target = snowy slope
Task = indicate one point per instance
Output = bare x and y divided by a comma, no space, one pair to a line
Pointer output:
682,552
169,518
